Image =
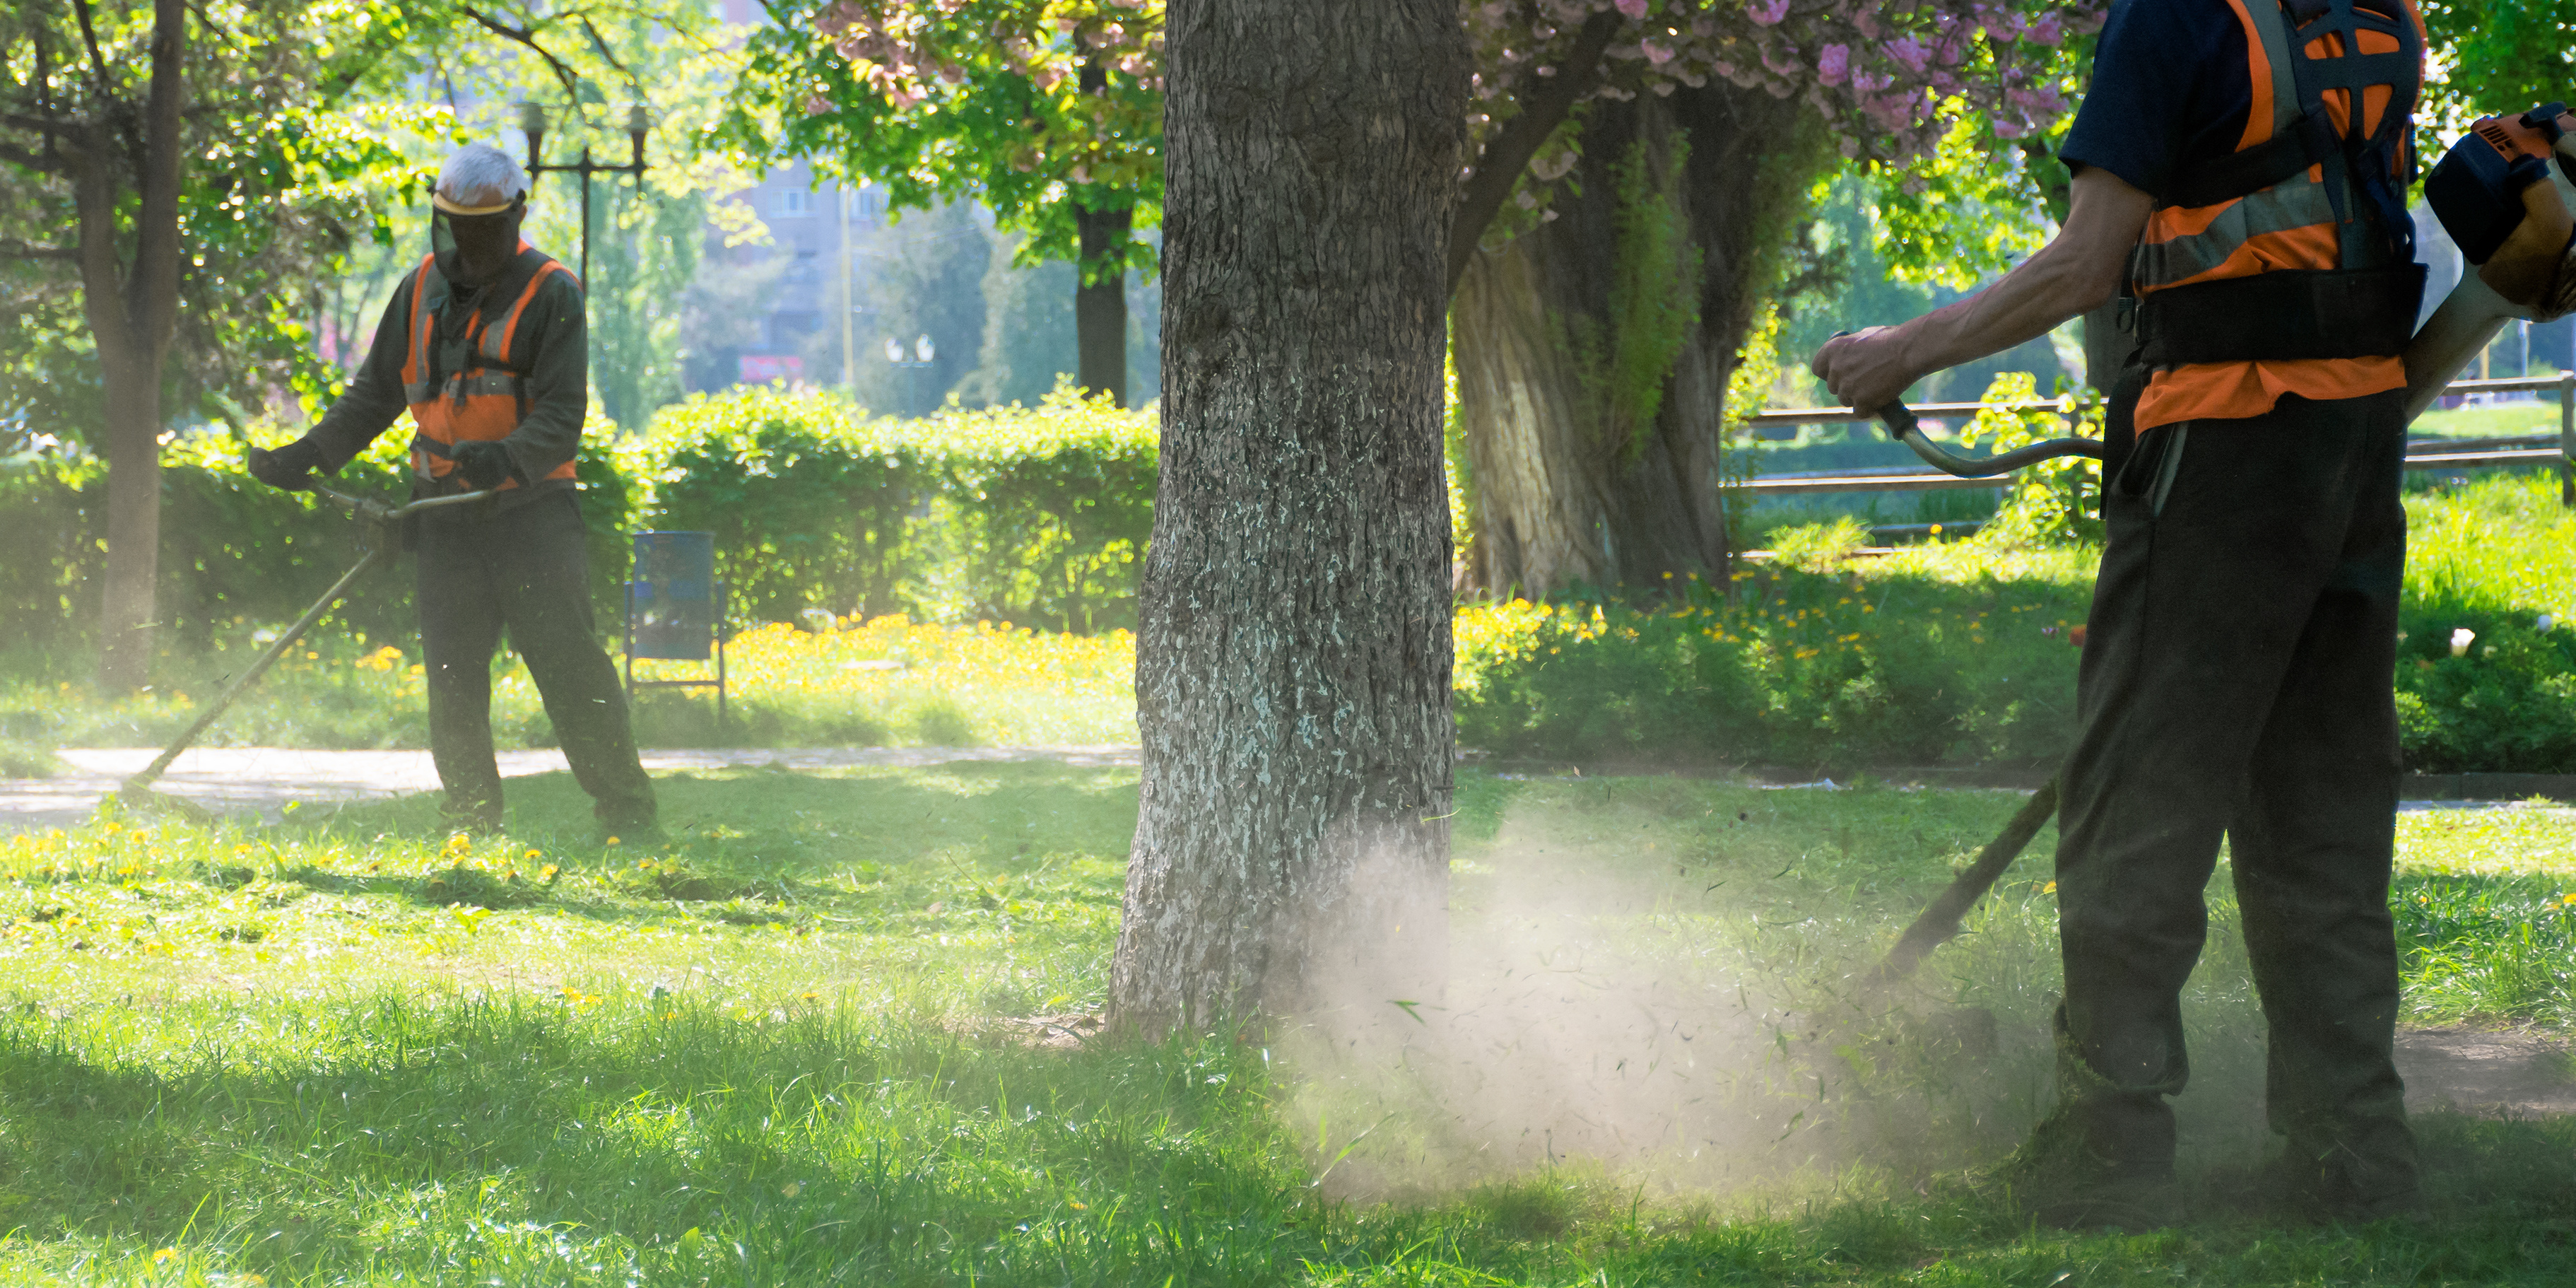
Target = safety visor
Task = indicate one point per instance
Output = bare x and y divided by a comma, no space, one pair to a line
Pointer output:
485,231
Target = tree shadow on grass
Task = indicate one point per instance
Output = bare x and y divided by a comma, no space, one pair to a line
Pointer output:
523,1142
818,1149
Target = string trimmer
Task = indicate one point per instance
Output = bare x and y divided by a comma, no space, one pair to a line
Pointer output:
377,538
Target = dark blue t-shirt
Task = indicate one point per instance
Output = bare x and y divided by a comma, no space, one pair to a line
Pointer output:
2170,91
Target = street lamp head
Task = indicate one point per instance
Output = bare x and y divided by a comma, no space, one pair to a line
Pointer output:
532,122
639,123
923,350
894,349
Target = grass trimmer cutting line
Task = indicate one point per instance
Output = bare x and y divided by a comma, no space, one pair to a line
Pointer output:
377,521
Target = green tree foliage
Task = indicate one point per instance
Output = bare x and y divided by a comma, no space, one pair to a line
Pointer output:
2496,56
281,185
1043,107
1037,108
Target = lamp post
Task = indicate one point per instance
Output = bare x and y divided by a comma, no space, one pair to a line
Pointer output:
923,354
532,122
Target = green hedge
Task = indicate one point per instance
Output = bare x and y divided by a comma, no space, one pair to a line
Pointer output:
234,553
1036,516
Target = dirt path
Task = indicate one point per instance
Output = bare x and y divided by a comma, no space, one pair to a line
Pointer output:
2492,1074
261,780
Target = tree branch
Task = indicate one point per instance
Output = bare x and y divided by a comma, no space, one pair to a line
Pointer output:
40,162
20,250
528,37
211,24
97,60
1544,102
113,108
596,42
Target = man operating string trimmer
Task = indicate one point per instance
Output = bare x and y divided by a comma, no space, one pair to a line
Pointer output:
486,344
2237,677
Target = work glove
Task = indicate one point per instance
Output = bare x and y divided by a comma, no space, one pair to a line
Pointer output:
290,467
484,463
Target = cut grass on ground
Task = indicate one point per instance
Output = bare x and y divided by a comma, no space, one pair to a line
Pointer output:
775,1051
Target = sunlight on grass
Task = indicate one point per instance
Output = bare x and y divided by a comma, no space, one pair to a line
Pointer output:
783,1048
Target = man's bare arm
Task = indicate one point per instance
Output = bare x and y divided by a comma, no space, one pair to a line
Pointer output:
2077,270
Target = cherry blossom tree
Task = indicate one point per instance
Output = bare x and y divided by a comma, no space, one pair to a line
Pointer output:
1050,111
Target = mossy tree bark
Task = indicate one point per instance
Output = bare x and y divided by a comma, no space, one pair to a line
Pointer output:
1570,485
1292,673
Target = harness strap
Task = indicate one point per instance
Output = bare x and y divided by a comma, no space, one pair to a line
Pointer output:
2288,315
2309,140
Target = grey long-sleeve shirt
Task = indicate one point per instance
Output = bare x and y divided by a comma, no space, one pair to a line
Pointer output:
558,378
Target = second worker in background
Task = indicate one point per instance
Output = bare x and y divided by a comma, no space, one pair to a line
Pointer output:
485,343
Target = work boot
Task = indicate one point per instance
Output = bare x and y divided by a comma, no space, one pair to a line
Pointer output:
2338,1190
2062,1180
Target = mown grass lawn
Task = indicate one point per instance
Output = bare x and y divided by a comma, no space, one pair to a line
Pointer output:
790,1047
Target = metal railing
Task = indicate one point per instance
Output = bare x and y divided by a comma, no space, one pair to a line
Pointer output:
2557,449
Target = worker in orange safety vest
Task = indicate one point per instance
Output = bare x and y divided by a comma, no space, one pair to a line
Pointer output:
486,345
2240,170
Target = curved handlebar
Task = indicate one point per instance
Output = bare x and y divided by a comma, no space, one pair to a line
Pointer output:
370,508
1904,428
1901,425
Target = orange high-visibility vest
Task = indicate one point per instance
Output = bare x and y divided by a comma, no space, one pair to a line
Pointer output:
488,397
2312,221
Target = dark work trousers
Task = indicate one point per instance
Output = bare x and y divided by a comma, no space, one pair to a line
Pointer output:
526,570
2237,680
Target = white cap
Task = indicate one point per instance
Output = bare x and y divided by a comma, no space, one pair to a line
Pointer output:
478,180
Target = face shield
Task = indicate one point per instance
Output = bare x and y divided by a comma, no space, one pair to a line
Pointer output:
474,245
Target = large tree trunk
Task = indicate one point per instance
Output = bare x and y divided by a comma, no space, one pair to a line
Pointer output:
1565,493
1292,674
132,312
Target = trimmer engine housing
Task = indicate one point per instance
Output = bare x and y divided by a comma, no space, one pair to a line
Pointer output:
2476,191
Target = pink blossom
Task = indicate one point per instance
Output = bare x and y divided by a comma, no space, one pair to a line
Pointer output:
1909,51
1655,54
1832,63
2046,31
1633,8
1767,12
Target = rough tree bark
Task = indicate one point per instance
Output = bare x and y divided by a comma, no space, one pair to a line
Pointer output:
1292,674
133,308
1557,500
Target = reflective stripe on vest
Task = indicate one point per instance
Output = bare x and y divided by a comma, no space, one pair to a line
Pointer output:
2292,225
486,399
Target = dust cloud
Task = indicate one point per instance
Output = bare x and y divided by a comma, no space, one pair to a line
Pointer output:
1626,1018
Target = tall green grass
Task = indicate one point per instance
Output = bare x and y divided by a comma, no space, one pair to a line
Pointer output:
787,1048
